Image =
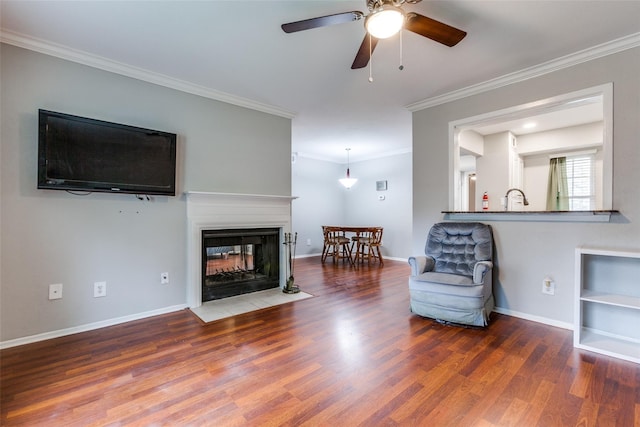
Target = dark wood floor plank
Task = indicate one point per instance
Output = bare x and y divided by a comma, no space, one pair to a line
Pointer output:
537,403
352,355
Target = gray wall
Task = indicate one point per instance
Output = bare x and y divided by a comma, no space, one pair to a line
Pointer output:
528,251
323,201
393,213
55,237
320,201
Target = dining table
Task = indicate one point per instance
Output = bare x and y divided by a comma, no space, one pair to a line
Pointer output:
355,233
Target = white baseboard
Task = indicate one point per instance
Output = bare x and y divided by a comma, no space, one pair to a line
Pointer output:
385,257
307,256
89,326
392,258
116,321
538,319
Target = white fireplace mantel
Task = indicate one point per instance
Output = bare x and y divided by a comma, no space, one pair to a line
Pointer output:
218,211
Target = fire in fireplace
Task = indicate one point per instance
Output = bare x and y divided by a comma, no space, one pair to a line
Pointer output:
239,261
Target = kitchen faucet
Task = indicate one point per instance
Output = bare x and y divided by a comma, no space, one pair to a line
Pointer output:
506,198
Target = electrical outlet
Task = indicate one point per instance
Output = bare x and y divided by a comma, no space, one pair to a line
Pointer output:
548,286
308,242
55,291
164,278
99,289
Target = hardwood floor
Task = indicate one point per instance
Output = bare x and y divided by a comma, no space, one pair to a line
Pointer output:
352,355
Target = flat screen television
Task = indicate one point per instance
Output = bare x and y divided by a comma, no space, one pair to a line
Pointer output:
83,154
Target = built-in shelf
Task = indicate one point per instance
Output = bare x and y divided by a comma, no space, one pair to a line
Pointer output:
611,299
540,216
609,345
607,307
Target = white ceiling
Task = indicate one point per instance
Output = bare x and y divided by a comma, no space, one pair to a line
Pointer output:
237,48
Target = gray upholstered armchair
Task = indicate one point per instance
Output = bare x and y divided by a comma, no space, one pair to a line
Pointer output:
453,282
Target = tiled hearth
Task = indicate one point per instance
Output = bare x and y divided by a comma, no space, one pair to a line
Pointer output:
220,211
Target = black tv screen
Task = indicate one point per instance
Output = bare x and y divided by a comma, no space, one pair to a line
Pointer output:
82,154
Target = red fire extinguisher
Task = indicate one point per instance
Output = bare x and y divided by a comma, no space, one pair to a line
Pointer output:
485,201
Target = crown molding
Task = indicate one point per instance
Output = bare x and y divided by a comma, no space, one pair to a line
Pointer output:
332,159
95,61
605,49
99,62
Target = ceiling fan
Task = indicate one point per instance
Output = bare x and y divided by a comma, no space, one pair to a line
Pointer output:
385,18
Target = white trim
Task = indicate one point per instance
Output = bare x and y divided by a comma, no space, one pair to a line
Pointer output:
81,57
393,258
383,155
119,320
385,258
102,63
624,43
535,107
89,326
204,196
307,256
537,319
216,211
573,153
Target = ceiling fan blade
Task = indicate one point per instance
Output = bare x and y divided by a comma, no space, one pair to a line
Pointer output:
435,30
363,55
322,21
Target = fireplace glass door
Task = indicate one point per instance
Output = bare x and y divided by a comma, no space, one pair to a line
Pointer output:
239,261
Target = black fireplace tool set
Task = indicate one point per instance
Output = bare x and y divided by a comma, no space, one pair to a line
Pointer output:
290,241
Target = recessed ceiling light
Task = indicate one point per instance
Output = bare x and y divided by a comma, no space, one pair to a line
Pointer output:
529,125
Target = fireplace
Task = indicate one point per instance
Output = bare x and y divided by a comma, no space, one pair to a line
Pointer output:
230,216
239,261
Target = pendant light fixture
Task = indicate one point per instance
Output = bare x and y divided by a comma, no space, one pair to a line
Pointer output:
348,181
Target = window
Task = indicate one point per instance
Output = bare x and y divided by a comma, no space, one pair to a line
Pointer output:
581,182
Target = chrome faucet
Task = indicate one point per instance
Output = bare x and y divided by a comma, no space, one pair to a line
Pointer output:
506,198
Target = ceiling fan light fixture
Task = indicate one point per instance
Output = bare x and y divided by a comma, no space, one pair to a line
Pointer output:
384,22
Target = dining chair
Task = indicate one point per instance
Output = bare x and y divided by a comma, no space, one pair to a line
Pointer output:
367,246
336,245
357,245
